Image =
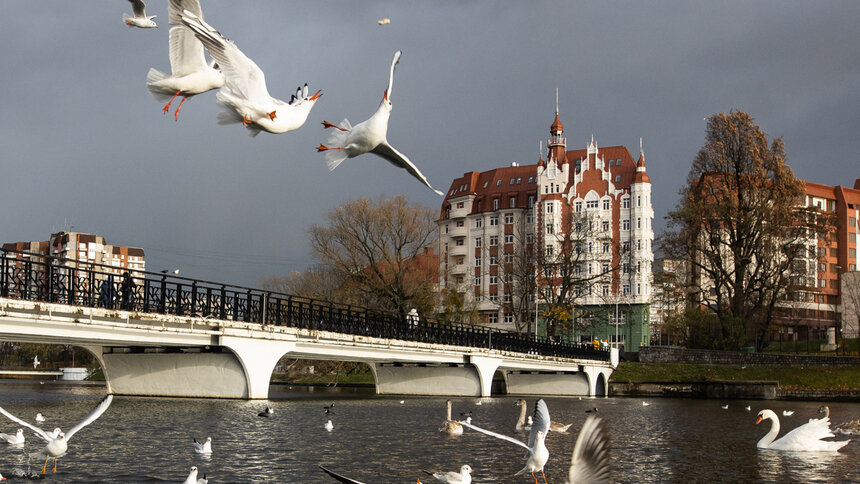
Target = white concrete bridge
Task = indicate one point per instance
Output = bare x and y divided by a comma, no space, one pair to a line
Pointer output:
160,345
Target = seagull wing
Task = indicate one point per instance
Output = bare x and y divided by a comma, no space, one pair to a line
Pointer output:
498,436
590,461
540,422
338,477
176,7
242,75
394,62
39,432
138,7
96,413
386,152
186,52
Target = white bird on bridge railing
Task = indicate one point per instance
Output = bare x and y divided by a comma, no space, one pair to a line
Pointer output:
57,446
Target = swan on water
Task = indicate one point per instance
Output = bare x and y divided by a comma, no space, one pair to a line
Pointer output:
806,437
450,426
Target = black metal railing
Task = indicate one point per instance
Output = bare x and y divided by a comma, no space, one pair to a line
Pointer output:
36,277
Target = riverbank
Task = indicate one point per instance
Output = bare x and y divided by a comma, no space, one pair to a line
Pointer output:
834,383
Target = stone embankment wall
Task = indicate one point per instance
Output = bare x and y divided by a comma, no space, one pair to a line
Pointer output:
671,354
752,390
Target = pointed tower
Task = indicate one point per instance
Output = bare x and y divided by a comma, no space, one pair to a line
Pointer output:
556,144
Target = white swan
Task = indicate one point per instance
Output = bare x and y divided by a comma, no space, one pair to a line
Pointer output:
807,437
449,426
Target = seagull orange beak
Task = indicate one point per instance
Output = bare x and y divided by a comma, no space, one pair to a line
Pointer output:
316,95
385,95
758,420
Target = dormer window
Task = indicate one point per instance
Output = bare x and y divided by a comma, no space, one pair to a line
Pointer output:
486,183
512,181
499,183
617,178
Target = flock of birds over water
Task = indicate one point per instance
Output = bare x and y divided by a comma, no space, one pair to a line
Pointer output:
243,95
590,460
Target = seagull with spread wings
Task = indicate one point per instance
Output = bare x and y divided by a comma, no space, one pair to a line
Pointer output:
347,141
190,74
538,453
57,446
244,98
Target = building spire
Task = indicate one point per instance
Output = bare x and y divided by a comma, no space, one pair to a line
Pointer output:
556,101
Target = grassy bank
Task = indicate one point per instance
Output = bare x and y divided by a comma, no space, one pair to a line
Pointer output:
792,378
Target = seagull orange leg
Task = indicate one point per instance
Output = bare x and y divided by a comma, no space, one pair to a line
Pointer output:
44,467
273,115
176,113
166,107
55,465
327,125
535,478
543,475
245,120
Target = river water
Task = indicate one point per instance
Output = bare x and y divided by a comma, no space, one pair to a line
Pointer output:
381,440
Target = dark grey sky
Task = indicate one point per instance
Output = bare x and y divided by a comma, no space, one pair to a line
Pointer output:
83,144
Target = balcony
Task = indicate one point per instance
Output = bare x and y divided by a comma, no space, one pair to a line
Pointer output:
458,250
458,231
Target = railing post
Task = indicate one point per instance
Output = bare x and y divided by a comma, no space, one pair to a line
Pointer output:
163,306
72,283
4,290
264,308
193,309
25,291
248,300
178,309
222,310
146,294
49,283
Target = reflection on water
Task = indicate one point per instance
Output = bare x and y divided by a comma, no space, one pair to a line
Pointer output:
381,440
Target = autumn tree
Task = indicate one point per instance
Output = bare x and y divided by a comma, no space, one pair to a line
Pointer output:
377,248
741,223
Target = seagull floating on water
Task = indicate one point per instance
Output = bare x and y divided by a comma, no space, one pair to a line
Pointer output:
40,418
328,409
266,413
58,445
244,97
645,404
140,19
787,413
538,453
747,408
462,477
725,407
192,477
329,426
17,439
347,141
190,74
204,448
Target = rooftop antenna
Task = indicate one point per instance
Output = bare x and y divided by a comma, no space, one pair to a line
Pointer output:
540,149
556,100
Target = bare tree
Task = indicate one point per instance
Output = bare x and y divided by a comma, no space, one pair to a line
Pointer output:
316,282
377,247
740,222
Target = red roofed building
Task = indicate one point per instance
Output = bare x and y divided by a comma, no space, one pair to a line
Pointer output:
488,218
818,304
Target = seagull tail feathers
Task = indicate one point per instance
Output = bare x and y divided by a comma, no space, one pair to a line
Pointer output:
338,137
153,77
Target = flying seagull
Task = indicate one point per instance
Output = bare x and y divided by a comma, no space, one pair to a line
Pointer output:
244,97
190,74
58,445
140,19
347,141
